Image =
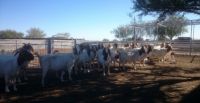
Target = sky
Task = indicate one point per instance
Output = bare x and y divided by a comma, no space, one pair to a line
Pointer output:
88,19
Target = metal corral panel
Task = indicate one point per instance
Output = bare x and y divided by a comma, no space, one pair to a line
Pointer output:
7,46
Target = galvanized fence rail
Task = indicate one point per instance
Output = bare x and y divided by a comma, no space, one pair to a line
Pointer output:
49,45
40,45
186,47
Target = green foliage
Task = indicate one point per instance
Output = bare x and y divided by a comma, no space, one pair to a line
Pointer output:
175,25
7,34
166,7
115,40
138,33
61,36
123,32
35,33
161,33
105,40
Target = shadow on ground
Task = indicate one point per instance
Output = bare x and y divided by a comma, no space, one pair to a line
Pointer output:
141,86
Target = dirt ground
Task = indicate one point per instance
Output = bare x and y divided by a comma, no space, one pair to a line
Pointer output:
159,83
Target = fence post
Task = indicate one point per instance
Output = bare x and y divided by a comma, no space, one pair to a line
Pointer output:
49,45
16,44
191,39
74,42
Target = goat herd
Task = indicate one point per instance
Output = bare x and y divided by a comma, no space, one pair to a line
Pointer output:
83,57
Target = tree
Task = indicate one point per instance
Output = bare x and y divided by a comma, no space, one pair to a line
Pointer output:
173,26
7,34
35,33
115,40
138,31
123,32
161,33
105,40
61,36
166,7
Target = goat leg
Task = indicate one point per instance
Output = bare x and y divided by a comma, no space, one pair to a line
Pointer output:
6,84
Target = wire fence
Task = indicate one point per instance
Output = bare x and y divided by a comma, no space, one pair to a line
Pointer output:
41,46
49,45
186,47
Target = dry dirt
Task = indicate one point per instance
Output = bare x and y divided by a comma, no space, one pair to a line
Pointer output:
159,83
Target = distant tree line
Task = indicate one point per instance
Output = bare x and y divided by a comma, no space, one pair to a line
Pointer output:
31,33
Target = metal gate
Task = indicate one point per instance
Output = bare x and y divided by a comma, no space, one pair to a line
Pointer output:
42,46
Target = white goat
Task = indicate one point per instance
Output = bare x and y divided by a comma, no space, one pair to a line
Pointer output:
123,58
114,55
86,56
158,53
84,59
162,53
10,65
133,56
8,70
103,57
57,62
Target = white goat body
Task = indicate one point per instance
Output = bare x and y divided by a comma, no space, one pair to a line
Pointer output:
158,53
10,65
57,62
162,54
132,56
8,70
103,60
114,55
